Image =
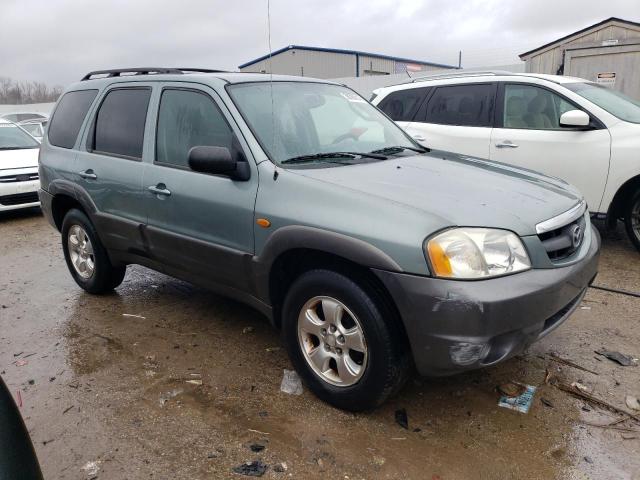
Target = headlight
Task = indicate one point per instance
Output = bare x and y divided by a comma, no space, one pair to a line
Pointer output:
470,253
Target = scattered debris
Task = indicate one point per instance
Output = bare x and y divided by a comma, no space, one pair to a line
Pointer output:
585,308
251,469
280,467
272,349
67,409
257,431
588,459
546,402
398,438
257,447
621,358
17,354
291,383
521,403
21,363
247,330
581,387
195,382
31,382
402,419
628,436
632,402
133,316
512,389
378,460
91,468
555,357
165,397
263,414
19,395
593,399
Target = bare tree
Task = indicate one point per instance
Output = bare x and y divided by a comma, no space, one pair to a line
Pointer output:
17,93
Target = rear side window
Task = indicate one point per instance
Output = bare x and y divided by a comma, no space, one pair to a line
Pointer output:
68,117
119,124
465,105
188,119
402,105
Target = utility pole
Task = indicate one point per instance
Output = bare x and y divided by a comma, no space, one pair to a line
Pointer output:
460,59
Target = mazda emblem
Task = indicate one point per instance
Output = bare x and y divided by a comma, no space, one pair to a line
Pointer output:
577,234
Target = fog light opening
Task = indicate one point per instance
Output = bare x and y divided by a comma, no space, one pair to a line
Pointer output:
464,353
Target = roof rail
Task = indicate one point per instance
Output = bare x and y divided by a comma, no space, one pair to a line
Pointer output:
117,72
468,73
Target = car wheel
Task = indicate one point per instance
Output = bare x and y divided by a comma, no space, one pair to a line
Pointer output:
632,219
343,341
86,257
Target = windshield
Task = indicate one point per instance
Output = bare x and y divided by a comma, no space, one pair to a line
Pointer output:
308,119
13,137
612,101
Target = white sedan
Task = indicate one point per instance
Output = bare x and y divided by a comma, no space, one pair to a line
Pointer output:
18,168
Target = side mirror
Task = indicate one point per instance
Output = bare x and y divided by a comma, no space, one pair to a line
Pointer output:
218,161
574,118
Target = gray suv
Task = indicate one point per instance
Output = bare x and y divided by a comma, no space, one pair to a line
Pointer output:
370,253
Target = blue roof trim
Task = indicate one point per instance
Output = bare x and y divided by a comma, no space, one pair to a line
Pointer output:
347,52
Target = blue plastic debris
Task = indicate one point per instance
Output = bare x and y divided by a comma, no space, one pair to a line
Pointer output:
521,403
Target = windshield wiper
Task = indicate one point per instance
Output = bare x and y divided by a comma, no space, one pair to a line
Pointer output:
329,155
398,149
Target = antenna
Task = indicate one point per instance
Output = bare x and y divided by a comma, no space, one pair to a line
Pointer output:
406,70
273,119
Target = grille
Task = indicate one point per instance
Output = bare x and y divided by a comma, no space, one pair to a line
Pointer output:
19,199
25,177
564,241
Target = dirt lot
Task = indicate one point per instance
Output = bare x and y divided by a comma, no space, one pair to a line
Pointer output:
112,388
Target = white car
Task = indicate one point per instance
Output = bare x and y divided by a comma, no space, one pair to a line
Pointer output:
570,128
18,168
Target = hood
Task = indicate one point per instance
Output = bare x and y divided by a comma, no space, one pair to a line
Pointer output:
24,158
460,190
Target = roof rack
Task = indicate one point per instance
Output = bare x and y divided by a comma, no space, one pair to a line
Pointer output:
468,73
117,72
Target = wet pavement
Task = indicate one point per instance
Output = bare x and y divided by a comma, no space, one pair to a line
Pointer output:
110,386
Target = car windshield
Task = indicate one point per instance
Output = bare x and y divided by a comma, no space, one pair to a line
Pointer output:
13,137
305,122
612,101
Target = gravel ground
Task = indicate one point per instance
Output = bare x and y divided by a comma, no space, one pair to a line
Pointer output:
106,381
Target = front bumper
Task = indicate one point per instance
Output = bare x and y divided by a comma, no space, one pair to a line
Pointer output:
18,194
455,326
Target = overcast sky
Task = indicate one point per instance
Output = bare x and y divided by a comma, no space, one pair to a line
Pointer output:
57,41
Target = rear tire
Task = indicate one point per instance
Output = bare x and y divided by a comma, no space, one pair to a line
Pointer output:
355,371
632,219
86,257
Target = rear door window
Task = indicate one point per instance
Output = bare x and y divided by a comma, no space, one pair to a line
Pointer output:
68,117
401,106
120,122
463,105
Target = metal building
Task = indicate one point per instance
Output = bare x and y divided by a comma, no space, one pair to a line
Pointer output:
334,63
607,52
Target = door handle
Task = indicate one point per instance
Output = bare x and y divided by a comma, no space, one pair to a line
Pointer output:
159,189
419,137
88,174
506,144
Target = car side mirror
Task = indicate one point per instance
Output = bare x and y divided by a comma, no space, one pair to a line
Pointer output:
218,161
574,118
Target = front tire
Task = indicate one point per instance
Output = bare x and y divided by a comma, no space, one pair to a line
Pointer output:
343,341
86,257
632,219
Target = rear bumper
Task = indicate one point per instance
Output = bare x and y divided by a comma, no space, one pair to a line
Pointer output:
455,326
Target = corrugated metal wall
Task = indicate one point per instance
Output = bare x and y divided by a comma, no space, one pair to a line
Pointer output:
550,59
308,63
321,64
